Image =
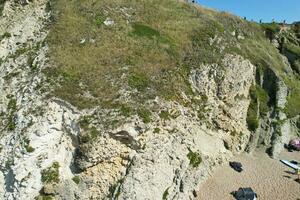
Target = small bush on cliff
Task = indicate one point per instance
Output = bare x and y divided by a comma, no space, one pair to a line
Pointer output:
89,135
271,29
138,81
298,123
76,179
126,110
165,115
252,115
195,158
1,6
5,35
12,107
145,115
165,194
293,106
263,99
51,174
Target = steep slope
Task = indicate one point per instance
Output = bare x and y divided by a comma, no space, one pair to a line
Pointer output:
128,99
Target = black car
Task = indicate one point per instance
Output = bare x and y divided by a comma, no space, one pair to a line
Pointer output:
236,166
245,194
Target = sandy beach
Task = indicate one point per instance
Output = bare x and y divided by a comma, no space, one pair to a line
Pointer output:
269,178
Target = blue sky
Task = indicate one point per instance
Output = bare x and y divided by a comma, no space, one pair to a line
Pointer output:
266,10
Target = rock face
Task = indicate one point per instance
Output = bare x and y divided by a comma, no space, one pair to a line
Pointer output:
50,149
158,163
275,129
35,131
226,89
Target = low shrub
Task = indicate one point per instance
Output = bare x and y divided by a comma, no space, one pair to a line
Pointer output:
195,158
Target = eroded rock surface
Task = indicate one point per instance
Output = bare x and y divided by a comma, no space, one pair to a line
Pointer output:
49,148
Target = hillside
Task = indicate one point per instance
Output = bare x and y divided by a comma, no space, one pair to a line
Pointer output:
137,99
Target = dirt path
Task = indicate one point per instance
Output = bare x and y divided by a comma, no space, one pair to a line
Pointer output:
270,179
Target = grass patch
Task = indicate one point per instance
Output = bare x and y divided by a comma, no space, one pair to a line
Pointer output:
141,30
145,114
292,48
153,54
12,108
126,111
99,20
76,179
29,149
298,123
293,105
51,174
2,2
165,115
157,130
90,135
271,29
6,34
138,81
263,99
195,158
252,114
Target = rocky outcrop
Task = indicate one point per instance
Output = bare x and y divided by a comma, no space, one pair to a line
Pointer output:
170,156
36,131
274,129
48,148
167,158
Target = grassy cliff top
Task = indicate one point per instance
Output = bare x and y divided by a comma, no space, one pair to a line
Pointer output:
110,51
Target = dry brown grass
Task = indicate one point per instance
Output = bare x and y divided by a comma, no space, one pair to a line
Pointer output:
96,67
151,47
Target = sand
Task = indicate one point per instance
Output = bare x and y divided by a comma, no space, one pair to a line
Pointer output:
269,178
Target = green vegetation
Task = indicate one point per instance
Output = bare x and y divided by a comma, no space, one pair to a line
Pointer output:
30,62
195,158
1,6
51,174
145,115
76,179
125,110
89,135
294,49
252,115
293,105
263,99
12,108
11,75
44,197
259,106
28,148
165,115
6,34
271,29
114,190
84,122
154,54
146,48
165,194
298,123
144,31
156,130
138,81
